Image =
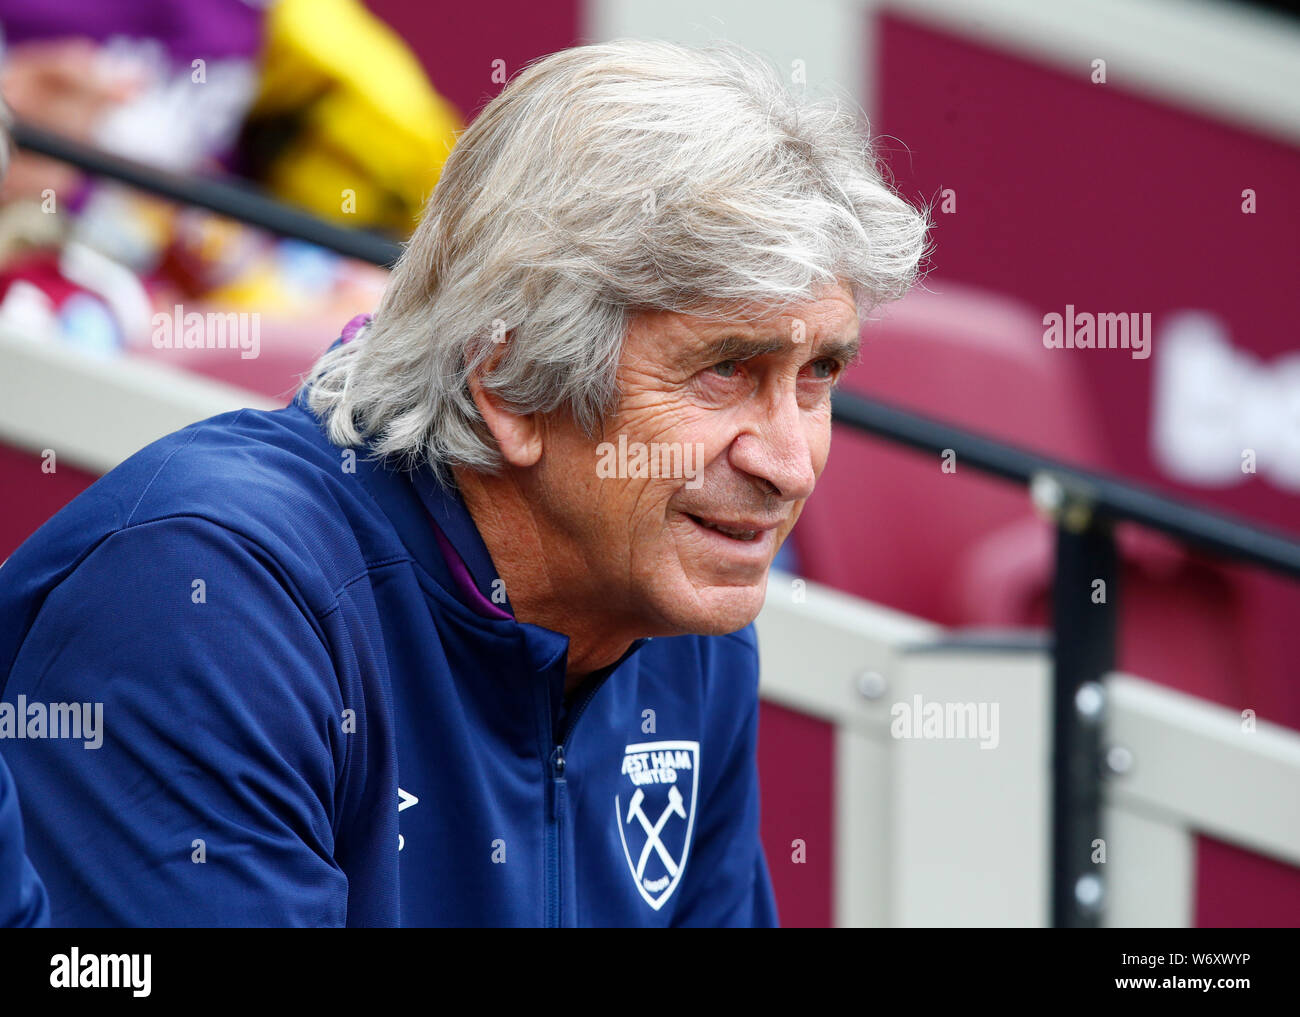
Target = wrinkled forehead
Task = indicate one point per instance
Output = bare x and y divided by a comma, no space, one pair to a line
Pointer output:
826,327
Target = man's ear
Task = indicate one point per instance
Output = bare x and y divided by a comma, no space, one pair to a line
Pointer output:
518,435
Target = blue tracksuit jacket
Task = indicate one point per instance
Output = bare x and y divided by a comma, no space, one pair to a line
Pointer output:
318,710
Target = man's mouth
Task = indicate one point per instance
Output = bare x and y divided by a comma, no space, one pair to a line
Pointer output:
741,531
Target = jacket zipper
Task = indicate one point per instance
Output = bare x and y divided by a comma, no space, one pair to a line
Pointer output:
559,794
559,801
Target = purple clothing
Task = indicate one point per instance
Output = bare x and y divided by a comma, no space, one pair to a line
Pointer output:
470,593
211,29
354,326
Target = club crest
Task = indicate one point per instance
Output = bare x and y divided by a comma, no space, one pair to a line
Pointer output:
655,812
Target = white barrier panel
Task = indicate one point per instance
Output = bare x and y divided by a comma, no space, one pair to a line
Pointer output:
1196,768
931,828
95,412
820,650
971,796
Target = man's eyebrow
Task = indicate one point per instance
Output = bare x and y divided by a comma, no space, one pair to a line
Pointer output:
733,347
844,350
738,347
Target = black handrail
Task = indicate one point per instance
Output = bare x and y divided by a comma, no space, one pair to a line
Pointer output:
1109,498
231,198
1085,505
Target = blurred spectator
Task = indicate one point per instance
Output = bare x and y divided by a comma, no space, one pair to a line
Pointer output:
318,100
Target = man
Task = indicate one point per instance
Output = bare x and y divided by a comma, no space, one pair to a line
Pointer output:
463,635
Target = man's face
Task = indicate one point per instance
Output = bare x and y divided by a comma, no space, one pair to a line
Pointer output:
674,513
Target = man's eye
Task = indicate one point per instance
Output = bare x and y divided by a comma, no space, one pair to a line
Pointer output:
726,368
830,365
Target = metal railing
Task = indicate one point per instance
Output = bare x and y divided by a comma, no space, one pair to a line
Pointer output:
1083,504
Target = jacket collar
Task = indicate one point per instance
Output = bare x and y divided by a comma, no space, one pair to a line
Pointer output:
463,551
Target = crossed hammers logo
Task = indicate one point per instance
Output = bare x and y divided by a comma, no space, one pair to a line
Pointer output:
652,832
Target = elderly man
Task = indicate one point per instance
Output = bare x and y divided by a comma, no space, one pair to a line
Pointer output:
462,636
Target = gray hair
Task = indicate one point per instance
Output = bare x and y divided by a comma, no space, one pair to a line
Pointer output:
603,180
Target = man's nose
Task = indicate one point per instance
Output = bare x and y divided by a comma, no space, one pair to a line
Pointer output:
774,447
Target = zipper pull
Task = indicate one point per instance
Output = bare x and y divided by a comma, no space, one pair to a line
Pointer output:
557,779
